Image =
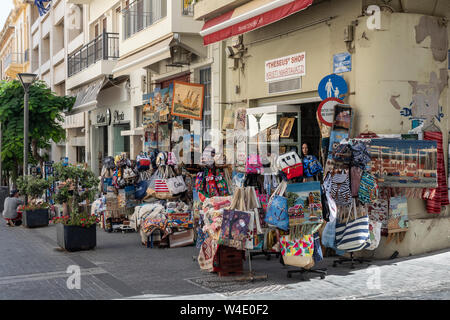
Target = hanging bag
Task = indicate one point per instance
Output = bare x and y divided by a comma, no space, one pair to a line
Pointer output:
353,235
161,189
340,189
176,184
143,162
291,164
253,164
368,188
277,209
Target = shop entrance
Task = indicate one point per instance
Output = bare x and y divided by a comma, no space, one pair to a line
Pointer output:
121,143
310,131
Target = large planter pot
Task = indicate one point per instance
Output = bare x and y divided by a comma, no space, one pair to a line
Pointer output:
35,218
73,238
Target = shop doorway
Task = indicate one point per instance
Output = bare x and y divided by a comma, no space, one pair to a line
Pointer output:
310,131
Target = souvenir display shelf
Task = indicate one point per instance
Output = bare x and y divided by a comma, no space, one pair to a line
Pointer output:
268,118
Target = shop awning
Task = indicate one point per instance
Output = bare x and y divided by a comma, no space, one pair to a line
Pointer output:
86,97
248,17
143,58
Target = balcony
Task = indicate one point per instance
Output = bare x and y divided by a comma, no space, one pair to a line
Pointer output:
141,14
104,47
14,63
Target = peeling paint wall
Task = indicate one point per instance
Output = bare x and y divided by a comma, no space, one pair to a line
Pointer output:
436,29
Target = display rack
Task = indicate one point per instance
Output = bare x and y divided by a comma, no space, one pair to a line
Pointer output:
351,260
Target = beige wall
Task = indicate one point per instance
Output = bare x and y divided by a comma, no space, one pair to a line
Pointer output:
383,63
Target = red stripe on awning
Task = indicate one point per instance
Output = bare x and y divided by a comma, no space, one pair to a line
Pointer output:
258,21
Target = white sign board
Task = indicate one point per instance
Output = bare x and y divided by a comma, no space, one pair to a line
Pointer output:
285,68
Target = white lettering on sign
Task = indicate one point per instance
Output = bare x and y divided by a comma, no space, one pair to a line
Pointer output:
285,68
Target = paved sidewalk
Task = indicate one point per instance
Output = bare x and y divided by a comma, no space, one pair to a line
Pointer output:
32,266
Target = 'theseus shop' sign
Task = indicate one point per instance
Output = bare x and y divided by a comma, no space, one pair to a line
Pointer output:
285,68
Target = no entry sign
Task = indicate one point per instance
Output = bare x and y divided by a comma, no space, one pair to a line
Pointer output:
325,112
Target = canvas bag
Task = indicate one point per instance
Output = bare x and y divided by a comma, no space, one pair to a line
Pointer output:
368,188
175,184
160,184
353,235
298,252
291,164
253,164
375,234
340,189
277,209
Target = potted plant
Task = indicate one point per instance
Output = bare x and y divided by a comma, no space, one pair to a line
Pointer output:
76,230
35,213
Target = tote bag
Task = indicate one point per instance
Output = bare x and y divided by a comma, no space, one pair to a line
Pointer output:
277,210
353,235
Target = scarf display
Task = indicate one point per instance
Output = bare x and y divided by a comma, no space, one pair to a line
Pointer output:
441,197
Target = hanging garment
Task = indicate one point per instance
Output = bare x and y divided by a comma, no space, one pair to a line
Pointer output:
441,198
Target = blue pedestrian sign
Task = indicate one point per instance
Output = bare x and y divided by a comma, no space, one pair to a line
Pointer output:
332,86
342,62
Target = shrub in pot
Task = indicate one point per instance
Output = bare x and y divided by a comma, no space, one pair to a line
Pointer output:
76,230
35,213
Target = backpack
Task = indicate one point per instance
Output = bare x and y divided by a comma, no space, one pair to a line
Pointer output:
143,162
253,164
311,166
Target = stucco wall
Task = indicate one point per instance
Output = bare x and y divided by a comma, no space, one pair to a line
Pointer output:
386,63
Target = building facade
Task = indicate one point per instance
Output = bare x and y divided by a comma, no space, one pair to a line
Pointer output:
14,44
398,71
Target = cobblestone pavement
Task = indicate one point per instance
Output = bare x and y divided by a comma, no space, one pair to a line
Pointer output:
32,266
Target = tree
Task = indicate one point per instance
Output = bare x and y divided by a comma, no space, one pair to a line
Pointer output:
45,122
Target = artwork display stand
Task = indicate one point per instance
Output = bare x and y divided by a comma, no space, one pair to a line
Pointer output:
351,260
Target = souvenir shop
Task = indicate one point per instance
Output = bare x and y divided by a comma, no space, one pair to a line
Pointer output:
273,196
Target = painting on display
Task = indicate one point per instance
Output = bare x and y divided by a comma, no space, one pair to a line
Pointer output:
398,214
305,203
187,100
404,163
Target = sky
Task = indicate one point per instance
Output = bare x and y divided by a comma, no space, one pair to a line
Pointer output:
7,5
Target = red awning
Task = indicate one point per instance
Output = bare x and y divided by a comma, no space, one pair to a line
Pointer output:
248,17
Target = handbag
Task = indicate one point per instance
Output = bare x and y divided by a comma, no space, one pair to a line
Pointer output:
311,166
340,189
353,235
253,164
141,190
161,190
234,229
375,234
291,164
368,188
176,185
298,252
277,209
143,162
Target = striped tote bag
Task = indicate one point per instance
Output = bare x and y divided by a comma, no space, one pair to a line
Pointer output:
353,235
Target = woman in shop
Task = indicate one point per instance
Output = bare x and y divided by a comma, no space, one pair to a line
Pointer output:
312,169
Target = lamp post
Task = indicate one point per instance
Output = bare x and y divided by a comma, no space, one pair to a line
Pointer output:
26,79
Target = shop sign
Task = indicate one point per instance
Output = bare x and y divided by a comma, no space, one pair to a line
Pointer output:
332,86
285,68
325,112
119,116
104,118
342,62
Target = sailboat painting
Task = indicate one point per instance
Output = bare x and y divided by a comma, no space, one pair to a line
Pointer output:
404,163
187,100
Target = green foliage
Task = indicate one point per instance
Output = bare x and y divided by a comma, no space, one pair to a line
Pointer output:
45,120
76,183
77,219
33,186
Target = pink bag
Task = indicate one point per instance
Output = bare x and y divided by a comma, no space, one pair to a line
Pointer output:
253,164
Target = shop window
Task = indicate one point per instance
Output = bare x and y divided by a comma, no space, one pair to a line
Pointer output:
121,143
81,155
309,128
205,79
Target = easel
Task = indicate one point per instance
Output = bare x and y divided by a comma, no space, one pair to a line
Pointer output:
351,260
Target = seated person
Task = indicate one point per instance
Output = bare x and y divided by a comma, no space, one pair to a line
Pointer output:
10,213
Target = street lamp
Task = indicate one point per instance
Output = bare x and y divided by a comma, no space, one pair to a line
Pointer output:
26,79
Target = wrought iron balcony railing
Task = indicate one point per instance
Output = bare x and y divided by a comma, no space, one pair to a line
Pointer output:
104,47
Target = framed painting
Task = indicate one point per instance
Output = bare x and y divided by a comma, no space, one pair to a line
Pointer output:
187,100
287,128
